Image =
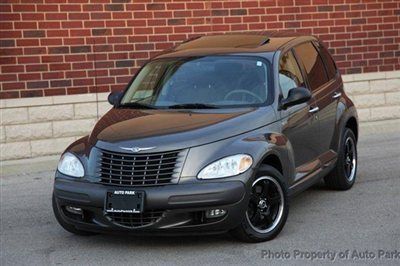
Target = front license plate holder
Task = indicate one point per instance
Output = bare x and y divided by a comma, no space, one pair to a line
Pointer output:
124,201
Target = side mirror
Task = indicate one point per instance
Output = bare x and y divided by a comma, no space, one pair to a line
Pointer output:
296,96
114,98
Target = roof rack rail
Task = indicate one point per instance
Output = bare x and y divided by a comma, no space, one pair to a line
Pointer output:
191,39
265,41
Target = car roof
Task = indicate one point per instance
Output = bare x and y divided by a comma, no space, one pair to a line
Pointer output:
234,43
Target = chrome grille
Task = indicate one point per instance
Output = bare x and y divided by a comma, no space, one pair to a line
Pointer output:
133,220
150,169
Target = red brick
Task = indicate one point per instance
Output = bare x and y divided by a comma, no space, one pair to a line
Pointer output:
28,76
78,16
135,7
71,24
82,65
108,23
49,25
80,82
123,31
9,60
175,6
32,16
12,69
28,60
47,8
122,15
100,15
31,93
61,66
70,7
23,8
142,14
6,25
13,86
8,77
75,58
37,84
25,25
93,7
60,83
57,33
194,5
9,94
74,41
51,92
155,6
5,8
28,42
77,90
56,16
75,74
162,14
10,17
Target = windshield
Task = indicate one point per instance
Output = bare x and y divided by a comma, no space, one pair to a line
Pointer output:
201,82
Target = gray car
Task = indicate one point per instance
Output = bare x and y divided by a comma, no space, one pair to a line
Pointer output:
212,136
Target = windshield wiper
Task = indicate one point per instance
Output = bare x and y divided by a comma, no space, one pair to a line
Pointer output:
136,105
193,106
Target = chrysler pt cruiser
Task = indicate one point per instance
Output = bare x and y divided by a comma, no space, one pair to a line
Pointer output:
214,135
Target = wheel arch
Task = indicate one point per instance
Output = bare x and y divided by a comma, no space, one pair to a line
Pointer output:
346,118
352,124
278,161
273,160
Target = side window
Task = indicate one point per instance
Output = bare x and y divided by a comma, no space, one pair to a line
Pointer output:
313,64
289,74
329,63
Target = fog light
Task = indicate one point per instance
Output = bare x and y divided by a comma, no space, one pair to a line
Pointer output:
214,213
74,210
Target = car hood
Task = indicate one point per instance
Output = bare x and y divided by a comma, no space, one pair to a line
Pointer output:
174,129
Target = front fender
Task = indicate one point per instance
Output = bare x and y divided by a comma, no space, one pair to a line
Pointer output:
259,143
83,150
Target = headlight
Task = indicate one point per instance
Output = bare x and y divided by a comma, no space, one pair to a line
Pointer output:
70,165
228,166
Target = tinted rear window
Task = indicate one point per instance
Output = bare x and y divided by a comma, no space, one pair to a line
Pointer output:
329,63
313,64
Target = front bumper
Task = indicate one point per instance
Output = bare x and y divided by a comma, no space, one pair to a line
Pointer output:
181,207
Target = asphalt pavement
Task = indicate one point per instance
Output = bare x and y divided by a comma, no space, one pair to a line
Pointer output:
359,226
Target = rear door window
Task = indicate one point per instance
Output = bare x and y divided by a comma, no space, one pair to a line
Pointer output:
313,64
329,63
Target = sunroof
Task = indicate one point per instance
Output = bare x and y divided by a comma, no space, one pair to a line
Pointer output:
225,41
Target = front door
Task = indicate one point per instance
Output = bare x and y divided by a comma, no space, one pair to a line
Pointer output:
300,122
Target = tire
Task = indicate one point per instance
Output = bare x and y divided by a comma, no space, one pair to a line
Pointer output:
340,178
246,231
68,227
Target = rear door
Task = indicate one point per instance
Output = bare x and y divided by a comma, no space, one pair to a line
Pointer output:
329,98
323,88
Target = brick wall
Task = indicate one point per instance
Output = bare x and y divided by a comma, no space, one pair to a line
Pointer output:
59,47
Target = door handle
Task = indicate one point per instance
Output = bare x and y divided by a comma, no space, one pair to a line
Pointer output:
313,110
336,95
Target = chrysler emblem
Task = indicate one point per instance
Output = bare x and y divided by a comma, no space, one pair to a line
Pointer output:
137,149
